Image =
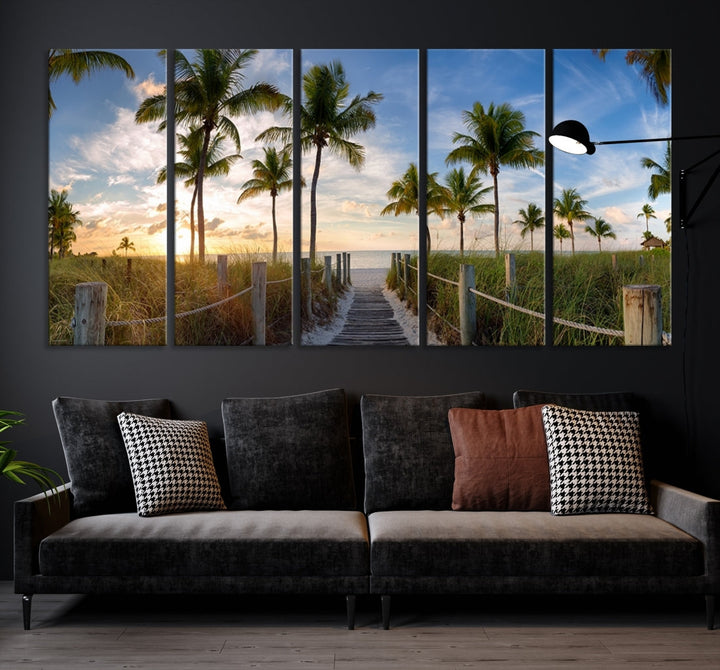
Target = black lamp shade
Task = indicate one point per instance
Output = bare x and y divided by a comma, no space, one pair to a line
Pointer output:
572,137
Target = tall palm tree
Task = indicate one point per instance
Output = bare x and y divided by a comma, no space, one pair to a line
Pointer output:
272,176
496,137
655,67
79,64
208,92
190,148
560,233
62,220
661,179
571,207
126,244
464,196
404,194
531,219
328,119
600,229
649,213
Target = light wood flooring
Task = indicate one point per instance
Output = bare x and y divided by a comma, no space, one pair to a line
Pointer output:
175,633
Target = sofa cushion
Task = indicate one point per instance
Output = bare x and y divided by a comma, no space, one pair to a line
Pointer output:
501,460
171,465
615,401
516,544
289,452
95,454
409,457
595,461
247,542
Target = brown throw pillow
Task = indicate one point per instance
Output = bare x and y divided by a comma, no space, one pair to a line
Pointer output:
501,460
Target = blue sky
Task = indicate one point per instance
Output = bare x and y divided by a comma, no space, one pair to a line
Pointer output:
109,164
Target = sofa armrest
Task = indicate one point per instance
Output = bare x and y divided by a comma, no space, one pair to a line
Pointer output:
37,517
695,514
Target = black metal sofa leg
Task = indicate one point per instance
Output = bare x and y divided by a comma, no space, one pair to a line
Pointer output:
27,609
710,611
385,606
350,605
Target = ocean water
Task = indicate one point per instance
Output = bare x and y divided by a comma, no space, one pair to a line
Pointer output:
367,260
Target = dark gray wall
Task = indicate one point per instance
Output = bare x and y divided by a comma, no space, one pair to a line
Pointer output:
676,381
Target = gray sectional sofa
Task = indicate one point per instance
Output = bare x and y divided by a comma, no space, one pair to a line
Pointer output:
289,521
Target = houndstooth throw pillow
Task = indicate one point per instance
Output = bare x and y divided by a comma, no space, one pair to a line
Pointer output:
171,465
595,461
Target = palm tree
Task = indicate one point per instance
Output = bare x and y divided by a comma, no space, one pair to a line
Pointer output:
649,213
190,148
272,176
404,194
496,137
464,196
327,119
655,69
531,219
570,206
61,222
126,244
560,232
599,230
79,64
661,179
208,92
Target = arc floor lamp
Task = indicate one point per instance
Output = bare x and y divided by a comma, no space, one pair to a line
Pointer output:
573,137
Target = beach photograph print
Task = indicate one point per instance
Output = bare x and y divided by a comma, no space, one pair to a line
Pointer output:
233,195
359,139
611,217
107,207
485,197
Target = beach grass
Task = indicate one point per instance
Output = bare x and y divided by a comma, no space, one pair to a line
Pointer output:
587,289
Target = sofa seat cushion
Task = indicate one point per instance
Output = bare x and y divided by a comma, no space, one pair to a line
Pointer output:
222,543
447,543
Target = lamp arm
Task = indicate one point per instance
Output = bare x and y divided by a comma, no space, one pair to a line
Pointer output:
661,139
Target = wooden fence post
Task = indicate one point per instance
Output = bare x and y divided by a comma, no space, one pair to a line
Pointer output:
614,262
305,270
222,276
259,294
468,312
344,267
89,319
349,280
406,267
510,285
642,315
328,274
338,268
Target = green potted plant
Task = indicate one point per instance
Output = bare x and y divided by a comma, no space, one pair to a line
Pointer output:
14,469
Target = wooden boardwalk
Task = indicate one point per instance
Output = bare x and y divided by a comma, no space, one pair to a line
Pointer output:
370,321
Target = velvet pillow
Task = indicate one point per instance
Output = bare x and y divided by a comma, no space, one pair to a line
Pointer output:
501,460
595,462
171,464
289,452
409,459
95,454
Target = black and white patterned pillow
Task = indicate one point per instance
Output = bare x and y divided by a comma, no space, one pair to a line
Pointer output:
171,465
595,462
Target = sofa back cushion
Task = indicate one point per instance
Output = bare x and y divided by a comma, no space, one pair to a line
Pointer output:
409,456
619,401
289,452
95,454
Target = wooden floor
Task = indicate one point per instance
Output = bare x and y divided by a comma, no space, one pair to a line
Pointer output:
175,633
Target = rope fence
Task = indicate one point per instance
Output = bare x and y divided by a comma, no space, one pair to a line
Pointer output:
89,321
642,312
